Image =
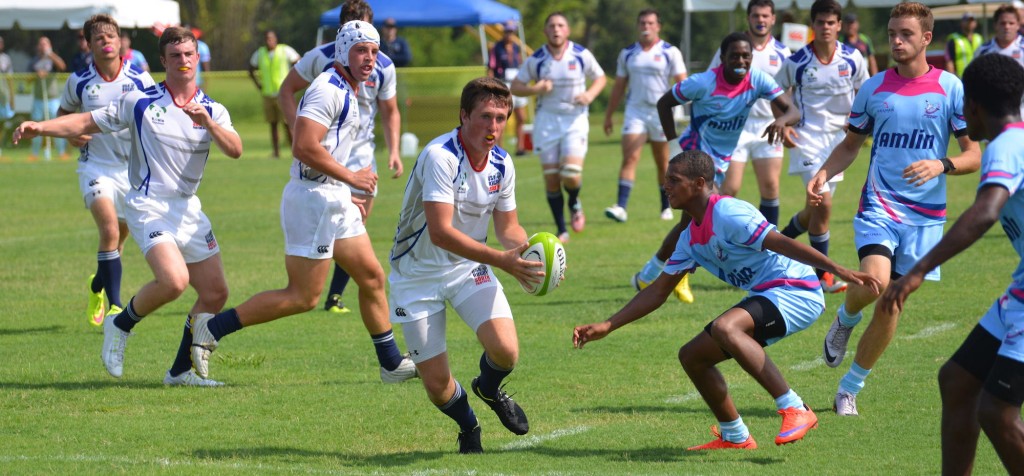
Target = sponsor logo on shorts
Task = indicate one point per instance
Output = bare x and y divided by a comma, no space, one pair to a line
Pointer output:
155,234
322,249
480,275
211,242
400,312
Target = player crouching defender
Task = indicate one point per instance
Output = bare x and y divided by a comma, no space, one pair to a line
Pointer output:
461,181
731,239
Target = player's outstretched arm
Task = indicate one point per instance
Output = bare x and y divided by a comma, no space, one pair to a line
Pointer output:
227,141
618,90
292,84
969,161
798,251
541,86
668,121
644,303
786,114
71,125
969,228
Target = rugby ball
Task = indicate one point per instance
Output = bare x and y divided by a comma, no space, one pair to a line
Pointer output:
546,249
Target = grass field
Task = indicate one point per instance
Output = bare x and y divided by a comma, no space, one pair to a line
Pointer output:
303,395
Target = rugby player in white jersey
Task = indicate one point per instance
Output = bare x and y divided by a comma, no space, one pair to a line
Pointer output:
1007,40
172,126
103,162
377,93
559,71
823,76
440,256
769,54
649,67
319,218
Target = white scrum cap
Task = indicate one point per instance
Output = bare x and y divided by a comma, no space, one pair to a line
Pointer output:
351,34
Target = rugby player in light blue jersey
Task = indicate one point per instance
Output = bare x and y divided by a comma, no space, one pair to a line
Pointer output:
910,110
982,384
722,98
733,241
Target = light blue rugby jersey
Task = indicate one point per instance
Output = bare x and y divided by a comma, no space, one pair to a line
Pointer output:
911,120
1002,164
729,244
720,110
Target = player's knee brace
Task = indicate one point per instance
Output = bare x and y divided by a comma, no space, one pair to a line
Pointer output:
571,171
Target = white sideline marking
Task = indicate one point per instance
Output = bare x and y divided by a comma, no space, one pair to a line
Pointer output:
930,331
538,439
683,398
167,463
818,362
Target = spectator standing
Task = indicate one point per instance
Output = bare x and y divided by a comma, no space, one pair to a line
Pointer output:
394,46
853,38
268,67
46,94
961,45
132,55
504,62
83,58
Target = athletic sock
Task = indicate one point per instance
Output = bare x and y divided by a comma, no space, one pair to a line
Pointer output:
224,323
97,280
574,197
387,350
652,269
458,409
664,197
734,431
846,319
127,319
491,376
183,359
556,202
108,270
794,228
789,400
625,187
338,282
770,209
853,381
820,243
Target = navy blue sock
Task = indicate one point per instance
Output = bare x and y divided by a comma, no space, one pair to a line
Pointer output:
625,187
338,282
387,350
664,197
97,280
490,376
794,229
109,272
127,319
458,409
224,323
183,359
556,202
574,197
820,243
770,209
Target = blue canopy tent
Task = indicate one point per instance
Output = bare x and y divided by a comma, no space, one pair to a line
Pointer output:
435,13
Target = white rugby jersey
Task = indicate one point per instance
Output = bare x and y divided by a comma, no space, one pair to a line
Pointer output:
443,173
568,76
381,85
1014,50
331,102
824,91
169,151
650,72
87,90
767,59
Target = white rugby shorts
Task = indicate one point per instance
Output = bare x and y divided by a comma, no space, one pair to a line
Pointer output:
752,145
315,215
643,120
178,220
97,182
556,136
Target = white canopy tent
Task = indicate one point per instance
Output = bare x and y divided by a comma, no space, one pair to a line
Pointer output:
53,14
690,6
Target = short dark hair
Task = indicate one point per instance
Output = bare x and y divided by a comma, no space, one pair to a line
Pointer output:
1004,9
648,11
760,3
733,38
174,35
695,164
996,83
96,23
916,10
355,10
827,7
555,14
485,89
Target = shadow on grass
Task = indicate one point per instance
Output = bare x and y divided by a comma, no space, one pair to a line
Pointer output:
31,330
298,454
88,386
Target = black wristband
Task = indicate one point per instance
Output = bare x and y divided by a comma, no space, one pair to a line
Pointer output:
947,165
